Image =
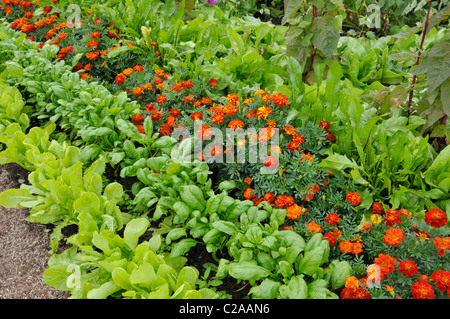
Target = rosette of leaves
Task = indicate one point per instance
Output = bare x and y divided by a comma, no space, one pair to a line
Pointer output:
124,267
279,264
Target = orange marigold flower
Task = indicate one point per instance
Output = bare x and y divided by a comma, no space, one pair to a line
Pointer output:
366,227
140,129
95,35
442,279
361,293
233,98
290,130
386,264
137,91
332,219
156,116
436,218
236,124
330,237
204,132
128,71
265,134
270,162
325,125
392,217
352,282
298,138
230,109
92,55
217,118
353,198
137,119
248,193
269,197
93,45
264,112
286,227
404,212
159,72
161,99
138,68
377,208
408,268
216,150
284,201
313,228
213,82
279,99
393,237
422,290
442,244
248,180
196,116
293,212
187,84
271,123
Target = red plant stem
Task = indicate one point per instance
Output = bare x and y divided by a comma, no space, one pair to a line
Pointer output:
314,48
418,58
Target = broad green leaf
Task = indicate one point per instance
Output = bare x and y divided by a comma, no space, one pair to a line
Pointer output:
341,271
268,289
12,198
311,261
192,195
438,174
182,247
225,227
248,270
103,291
297,288
134,229
438,65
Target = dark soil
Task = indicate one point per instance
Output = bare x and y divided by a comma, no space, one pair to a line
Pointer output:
198,256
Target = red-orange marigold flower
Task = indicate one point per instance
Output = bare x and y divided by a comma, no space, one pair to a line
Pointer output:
204,132
269,197
284,201
313,228
161,99
332,219
408,268
213,82
293,212
353,198
392,217
422,290
196,116
442,244
270,161
236,124
386,264
377,208
325,125
393,237
137,119
248,193
442,279
436,218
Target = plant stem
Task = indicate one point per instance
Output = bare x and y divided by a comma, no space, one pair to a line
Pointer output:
418,58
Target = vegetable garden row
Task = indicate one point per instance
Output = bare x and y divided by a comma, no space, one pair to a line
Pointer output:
113,108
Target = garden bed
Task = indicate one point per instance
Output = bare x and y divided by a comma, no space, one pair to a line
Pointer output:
327,176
